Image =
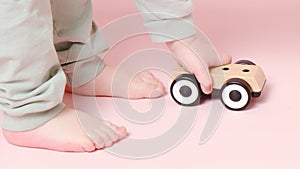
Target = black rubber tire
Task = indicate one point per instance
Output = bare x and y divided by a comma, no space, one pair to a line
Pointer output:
186,90
235,94
245,62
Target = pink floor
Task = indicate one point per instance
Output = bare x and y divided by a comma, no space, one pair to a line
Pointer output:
266,135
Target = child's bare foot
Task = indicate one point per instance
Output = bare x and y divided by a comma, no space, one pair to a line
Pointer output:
64,133
143,85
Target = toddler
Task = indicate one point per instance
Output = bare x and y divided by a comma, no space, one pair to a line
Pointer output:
40,41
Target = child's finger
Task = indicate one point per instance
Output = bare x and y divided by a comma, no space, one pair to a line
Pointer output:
204,79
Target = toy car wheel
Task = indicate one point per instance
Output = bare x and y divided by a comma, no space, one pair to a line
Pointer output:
245,62
186,90
235,94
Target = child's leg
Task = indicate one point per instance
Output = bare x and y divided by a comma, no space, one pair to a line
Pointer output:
32,84
78,42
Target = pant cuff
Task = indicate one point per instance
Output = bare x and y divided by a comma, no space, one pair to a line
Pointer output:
29,121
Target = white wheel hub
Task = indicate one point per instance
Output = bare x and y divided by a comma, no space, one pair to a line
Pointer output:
194,92
240,102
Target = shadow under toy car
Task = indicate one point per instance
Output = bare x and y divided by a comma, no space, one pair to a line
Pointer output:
236,82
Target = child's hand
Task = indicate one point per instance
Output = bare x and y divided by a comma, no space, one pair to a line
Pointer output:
197,55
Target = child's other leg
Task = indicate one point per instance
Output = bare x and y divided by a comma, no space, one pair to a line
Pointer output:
32,84
78,41
142,85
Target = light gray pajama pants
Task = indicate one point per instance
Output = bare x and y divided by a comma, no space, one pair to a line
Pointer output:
40,44
41,41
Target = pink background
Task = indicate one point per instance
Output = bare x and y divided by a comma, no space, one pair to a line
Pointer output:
264,136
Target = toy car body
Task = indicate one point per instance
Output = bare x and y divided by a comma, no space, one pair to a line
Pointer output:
236,82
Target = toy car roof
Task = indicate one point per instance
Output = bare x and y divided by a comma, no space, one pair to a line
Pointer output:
252,74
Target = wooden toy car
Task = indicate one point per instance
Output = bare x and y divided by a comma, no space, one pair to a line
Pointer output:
237,83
